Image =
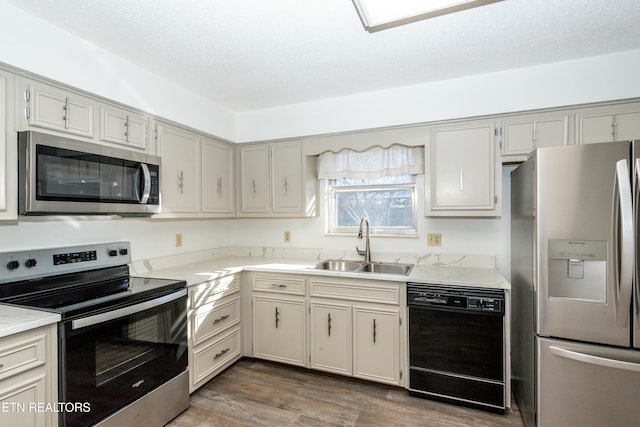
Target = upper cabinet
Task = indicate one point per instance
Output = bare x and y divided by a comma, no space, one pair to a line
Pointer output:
48,107
276,180
464,177
8,151
123,127
180,174
522,134
218,181
610,123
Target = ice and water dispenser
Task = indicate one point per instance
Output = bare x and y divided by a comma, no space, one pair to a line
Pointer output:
578,269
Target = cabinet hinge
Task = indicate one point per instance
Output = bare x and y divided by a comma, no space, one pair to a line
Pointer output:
497,131
27,112
400,373
400,319
155,133
309,308
309,358
495,200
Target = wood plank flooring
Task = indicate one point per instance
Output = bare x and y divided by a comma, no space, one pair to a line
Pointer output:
259,393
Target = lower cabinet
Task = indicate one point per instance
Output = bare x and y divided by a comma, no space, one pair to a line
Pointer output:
214,329
278,329
354,326
28,378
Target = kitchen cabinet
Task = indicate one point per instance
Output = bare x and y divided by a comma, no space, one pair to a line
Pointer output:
275,180
218,183
214,328
180,174
49,108
609,123
522,134
464,177
123,127
356,328
28,377
331,337
279,326
375,344
8,151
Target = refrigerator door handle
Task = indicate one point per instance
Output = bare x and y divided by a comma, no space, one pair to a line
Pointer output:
623,242
595,360
636,220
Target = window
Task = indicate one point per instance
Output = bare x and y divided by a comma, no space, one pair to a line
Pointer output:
388,203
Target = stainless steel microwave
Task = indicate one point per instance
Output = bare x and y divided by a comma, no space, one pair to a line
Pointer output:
58,175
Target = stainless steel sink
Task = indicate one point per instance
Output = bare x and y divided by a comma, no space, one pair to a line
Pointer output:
364,267
338,265
386,268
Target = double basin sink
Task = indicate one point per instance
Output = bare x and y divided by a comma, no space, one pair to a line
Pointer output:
364,267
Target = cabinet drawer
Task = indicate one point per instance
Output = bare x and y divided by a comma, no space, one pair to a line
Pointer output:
277,284
210,292
21,352
385,293
212,319
212,357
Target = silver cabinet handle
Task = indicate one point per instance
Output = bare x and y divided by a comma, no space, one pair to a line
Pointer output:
285,187
278,285
253,188
181,181
623,244
277,317
329,323
220,319
126,129
595,360
218,355
220,184
65,110
461,180
374,331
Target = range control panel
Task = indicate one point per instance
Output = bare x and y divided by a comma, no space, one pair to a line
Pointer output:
28,264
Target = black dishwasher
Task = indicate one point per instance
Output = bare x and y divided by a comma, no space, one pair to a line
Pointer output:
456,345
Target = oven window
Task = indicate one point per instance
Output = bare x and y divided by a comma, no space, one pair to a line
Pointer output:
112,364
73,175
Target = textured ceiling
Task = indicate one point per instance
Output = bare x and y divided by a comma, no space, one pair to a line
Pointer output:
253,54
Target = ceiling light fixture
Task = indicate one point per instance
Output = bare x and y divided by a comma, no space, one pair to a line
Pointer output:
381,14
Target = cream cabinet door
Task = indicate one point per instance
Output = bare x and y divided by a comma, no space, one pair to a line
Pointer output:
608,124
286,167
123,127
376,344
331,337
51,108
8,151
180,170
279,329
254,163
521,135
217,178
17,397
463,171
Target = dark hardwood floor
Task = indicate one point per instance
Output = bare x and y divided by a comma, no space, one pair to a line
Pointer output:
254,392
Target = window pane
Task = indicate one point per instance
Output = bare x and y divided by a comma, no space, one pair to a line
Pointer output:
400,179
388,208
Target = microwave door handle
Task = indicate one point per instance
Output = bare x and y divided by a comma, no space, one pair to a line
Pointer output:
146,190
623,242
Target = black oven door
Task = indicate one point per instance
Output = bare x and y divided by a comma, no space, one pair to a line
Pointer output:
111,359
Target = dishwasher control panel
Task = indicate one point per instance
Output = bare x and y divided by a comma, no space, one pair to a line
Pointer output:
455,298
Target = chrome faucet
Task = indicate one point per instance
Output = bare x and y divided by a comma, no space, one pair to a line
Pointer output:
367,248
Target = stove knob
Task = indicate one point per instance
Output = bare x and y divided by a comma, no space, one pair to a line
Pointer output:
31,262
113,252
124,251
12,265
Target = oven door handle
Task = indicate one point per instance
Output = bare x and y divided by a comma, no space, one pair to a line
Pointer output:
126,311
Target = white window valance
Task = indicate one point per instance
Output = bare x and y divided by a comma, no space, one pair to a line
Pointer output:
375,162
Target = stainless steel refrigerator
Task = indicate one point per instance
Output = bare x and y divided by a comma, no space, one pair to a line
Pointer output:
575,328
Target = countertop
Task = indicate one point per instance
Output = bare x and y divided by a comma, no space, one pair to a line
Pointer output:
206,270
14,320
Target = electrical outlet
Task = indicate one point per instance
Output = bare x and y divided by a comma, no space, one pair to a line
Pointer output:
434,239
178,240
287,237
